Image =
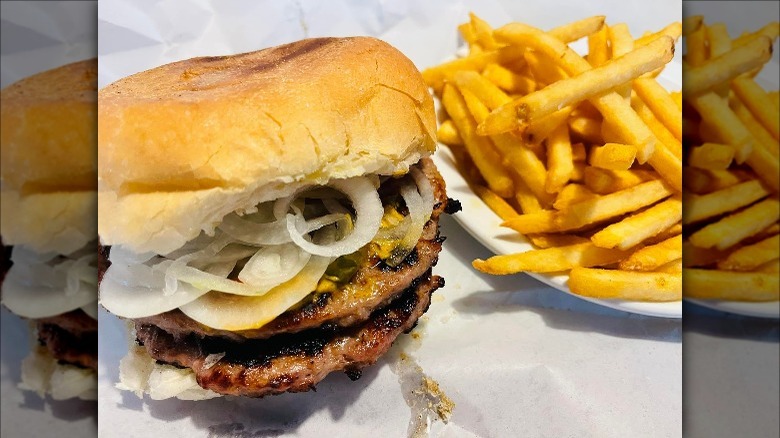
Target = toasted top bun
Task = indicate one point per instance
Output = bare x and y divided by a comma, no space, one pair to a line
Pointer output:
184,144
49,159
48,130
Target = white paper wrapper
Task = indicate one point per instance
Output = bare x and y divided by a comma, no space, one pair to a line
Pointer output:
516,357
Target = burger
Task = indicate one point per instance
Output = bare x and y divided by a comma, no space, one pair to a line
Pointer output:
49,226
267,218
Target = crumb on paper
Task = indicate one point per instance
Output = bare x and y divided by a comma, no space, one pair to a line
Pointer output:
443,405
438,298
424,396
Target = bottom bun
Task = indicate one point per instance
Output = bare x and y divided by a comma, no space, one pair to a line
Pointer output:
141,374
42,373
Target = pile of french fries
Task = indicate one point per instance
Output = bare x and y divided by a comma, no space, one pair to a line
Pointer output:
732,173
582,155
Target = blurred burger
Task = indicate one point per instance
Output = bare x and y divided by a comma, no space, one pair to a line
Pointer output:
49,207
269,217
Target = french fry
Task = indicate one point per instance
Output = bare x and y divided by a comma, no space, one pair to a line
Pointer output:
616,204
570,194
678,99
770,266
540,129
508,80
720,44
730,230
701,207
525,198
603,181
578,29
634,229
665,234
436,76
495,202
756,129
693,256
770,31
555,240
560,164
726,67
591,211
588,83
759,103
549,260
448,133
483,33
612,156
713,156
598,47
468,34
673,267
696,45
750,257
731,286
716,111
479,148
483,89
620,40
657,128
578,152
775,96
628,285
672,30
691,23
543,70
701,181
652,257
586,129
661,104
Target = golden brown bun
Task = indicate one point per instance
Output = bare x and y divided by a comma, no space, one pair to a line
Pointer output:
49,159
184,144
48,130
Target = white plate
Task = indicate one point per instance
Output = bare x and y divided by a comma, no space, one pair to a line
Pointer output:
760,310
482,223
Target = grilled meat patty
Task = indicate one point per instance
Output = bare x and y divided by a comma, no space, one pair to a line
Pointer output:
70,338
292,362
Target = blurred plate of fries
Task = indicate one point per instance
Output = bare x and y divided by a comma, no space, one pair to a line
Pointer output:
569,166
732,175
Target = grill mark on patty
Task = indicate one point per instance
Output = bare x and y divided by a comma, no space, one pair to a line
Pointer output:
70,338
292,362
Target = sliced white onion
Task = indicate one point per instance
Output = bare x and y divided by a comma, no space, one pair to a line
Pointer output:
274,265
25,256
368,211
231,312
121,255
425,189
39,300
418,216
130,301
270,233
